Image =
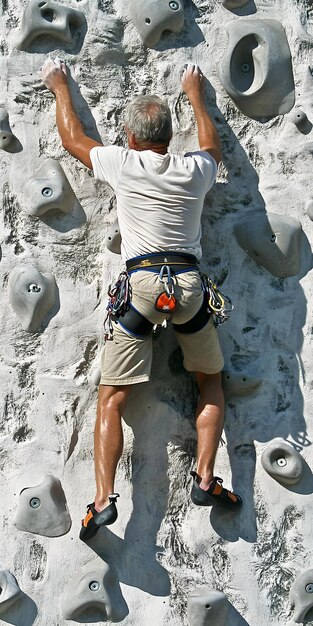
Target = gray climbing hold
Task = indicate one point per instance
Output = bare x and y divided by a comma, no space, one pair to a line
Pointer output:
300,119
7,139
93,588
309,209
272,240
49,189
10,592
207,606
301,595
43,510
50,19
239,384
113,238
256,69
234,4
152,18
32,295
281,461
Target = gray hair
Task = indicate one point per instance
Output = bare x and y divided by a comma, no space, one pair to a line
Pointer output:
149,118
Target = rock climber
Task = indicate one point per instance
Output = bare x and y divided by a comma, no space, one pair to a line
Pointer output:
159,204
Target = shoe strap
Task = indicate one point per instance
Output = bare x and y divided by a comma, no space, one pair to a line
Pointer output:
113,497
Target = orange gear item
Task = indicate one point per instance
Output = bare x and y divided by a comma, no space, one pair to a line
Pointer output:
165,303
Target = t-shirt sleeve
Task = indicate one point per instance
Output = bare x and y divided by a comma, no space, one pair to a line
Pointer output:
107,163
206,165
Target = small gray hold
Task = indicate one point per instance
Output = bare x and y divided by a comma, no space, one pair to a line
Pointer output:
8,141
153,18
300,119
206,607
113,238
32,295
49,189
43,509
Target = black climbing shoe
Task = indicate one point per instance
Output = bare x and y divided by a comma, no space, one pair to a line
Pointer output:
94,519
215,495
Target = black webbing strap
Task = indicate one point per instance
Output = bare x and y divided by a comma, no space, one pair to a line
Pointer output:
198,321
156,259
135,323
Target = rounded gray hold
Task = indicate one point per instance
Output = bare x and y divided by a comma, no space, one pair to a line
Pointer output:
35,503
281,256
49,189
7,139
113,238
206,607
94,587
299,118
43,510
282,462
32,295
256,69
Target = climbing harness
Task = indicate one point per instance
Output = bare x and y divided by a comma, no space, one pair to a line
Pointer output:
120,308
216,301
166,301
118,303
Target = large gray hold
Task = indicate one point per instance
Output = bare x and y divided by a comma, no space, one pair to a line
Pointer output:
32,295
206,607
48,18
49,189
92,588
10,592
153,17
256,69
272,240
43,510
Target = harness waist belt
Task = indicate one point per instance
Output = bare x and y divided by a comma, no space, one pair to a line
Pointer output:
161,258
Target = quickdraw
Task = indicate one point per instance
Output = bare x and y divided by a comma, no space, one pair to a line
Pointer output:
118,303
166,301
216,301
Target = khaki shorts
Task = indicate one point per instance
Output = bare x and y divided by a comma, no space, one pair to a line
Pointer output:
126,360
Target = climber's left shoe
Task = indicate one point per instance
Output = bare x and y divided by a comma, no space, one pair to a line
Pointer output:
94,519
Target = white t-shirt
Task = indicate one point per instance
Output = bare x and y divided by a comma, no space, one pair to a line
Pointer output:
159,197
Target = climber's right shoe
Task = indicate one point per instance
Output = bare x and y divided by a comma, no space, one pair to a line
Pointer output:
94,519
215,495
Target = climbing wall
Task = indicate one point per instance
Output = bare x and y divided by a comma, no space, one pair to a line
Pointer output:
165,561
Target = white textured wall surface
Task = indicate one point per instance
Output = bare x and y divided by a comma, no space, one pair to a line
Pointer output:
161,547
